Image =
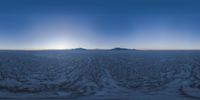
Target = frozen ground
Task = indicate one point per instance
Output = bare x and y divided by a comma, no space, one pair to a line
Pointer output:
100,74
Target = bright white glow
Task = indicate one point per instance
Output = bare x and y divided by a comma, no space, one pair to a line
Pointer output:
59,33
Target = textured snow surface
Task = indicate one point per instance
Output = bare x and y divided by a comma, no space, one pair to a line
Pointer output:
99,75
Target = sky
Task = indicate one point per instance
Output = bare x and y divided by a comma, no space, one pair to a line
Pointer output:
103,24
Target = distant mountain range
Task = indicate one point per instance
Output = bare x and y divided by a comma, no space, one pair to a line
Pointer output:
120,49
79,49
76,49
114,49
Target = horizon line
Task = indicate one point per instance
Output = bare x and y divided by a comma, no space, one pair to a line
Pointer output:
100,49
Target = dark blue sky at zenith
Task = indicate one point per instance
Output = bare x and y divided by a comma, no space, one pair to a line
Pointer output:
65,24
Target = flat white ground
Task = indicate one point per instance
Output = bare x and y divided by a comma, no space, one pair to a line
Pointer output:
100,75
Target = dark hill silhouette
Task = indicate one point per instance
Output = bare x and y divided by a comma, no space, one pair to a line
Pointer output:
79,49
121,49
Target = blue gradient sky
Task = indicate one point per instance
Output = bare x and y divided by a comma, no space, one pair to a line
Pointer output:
65,24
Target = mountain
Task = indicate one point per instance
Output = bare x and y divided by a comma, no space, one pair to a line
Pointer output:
120,49
79,49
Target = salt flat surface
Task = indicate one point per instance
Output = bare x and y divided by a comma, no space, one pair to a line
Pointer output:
100,75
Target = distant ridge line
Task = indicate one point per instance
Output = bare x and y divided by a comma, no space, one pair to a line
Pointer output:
112,49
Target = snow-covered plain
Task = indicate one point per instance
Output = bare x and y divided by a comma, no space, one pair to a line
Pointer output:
100,74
